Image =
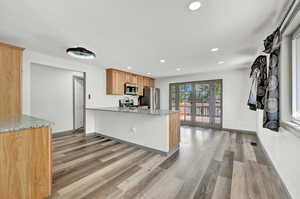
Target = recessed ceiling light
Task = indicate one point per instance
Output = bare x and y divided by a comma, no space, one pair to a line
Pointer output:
148,73
129,67
214,49
221,62
81,53
162,61
195,5
178,69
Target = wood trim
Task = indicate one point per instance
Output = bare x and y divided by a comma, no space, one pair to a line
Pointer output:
26,163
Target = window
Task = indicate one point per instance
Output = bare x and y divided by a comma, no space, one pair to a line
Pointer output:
296,77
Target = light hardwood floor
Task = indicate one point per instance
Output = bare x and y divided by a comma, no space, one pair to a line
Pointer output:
210,165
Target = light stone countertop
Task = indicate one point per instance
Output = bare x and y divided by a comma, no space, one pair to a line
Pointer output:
158,112
22,122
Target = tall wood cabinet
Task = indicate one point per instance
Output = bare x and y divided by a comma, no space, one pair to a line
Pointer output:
10,79
116,79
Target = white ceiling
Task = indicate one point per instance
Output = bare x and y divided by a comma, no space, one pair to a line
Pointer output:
138,33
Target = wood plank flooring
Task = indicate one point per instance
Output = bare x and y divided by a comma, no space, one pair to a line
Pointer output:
209,165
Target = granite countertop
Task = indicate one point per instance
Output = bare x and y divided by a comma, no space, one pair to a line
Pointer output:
16,123
135,110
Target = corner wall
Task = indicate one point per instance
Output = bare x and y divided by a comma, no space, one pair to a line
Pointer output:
236,87
52,96
95,79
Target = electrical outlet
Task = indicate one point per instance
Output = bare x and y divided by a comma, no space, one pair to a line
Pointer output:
133,130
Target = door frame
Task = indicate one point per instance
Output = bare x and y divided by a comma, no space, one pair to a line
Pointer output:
193,123
84,100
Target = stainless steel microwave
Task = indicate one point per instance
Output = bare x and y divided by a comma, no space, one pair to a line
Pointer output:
131,89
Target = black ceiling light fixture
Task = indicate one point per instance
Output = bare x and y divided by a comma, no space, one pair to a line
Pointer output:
81,53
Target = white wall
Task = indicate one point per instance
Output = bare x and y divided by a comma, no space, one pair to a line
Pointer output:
52,96
283,147
146,130
95,79
236,85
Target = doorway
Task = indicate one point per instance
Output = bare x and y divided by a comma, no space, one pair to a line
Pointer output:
199,102
52,97
78,103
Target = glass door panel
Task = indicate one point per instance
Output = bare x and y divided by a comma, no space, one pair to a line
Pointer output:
202,103
199,103
173,93
218,103
185,101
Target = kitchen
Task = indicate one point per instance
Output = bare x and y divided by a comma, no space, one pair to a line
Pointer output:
138,120
148,99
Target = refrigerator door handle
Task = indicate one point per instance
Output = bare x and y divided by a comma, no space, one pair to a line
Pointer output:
155,101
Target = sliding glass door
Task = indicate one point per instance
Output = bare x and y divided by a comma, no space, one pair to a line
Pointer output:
199,103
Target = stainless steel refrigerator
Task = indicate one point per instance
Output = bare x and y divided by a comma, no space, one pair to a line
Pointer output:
151,98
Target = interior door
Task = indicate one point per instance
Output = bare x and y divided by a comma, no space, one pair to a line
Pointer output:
78,102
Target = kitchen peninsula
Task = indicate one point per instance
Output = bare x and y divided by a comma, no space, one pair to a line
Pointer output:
26,157
157,130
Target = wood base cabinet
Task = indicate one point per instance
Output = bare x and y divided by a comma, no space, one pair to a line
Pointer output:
174,130
26,164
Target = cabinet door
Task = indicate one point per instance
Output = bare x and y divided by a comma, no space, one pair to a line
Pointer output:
133,79
10,80
140,83
115,82
127,78
26,163
146,82
151,82
119,83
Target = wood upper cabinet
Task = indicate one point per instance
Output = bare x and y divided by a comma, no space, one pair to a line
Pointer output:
146,82
130,78
10,79
116,79
127,77
140,83
134,79
149,82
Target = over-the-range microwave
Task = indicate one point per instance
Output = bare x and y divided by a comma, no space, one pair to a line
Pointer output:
131,89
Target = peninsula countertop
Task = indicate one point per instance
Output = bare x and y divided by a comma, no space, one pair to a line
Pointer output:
158,112
21,122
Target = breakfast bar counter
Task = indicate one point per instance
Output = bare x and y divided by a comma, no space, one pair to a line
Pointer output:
25,157
157,130
136,110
